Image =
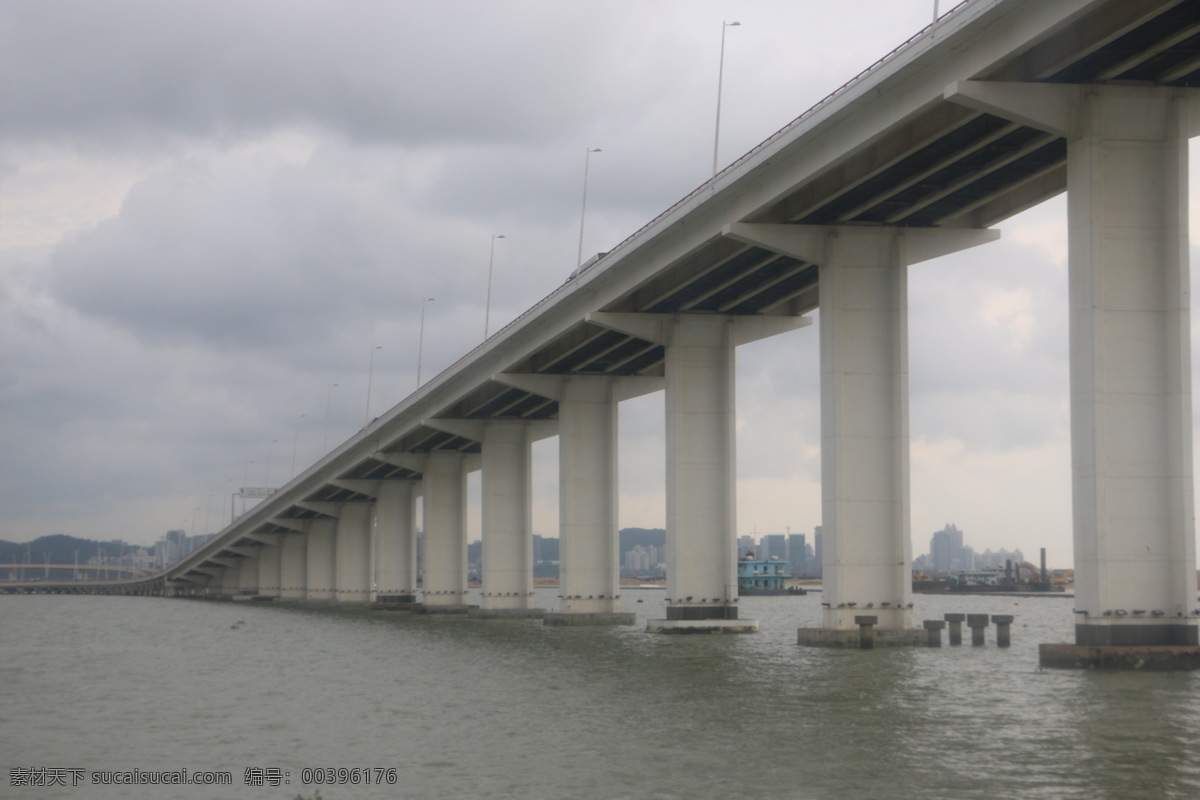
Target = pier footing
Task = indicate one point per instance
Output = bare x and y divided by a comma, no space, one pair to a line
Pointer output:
837,637
1157,658
507,613
421,608
702,626
393,605
619,618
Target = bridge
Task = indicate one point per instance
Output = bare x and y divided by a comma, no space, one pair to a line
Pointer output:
994,108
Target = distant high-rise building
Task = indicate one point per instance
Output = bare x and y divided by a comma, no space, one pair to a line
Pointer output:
774,545
797,554
946,549
745,545
818,553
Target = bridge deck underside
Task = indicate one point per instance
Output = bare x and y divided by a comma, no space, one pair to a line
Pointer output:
941,166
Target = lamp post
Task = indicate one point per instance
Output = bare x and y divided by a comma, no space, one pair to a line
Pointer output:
370,374
328,403
295,441
487,309
421,338
267,473
720,81
583,212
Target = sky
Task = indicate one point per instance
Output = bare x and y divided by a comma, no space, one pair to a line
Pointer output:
219,220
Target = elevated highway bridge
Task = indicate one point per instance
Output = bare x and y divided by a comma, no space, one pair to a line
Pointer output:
998,106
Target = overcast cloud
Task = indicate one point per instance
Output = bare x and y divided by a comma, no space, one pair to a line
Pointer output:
211,212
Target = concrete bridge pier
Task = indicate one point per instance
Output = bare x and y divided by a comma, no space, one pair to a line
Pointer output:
269,565
445,484
248,575
1131,403
354,568
507,517
506,462
293,551
395,529
701,460
589,572
320,578
864,414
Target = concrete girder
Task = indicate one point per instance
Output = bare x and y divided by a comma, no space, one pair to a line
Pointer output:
322,507
292,524
359,486
813,243
627,387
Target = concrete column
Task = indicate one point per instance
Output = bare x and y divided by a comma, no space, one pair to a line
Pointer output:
864,431
293,569
701,470
1003,623
248,576
866,630
955,622
507,512
701,461
321,578
933,629
1131,405
353,542
978,624
395,527
230,580
589,573
867,554
445,588
269,567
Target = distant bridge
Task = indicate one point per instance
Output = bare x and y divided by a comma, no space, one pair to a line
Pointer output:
997,107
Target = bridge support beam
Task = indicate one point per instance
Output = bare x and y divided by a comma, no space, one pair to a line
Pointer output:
321,577
354,563
1131,404
293,573
395,528
864,413
445,584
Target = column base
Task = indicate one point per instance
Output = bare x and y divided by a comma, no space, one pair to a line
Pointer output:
702,626
506,613
694,612
1156,658
1182,634
618,618
421,608
402,597
393,605
849,637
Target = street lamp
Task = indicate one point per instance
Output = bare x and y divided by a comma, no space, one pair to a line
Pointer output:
487,309
720,81
267,474
295,441
421,339
328,402
583,212
370,374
